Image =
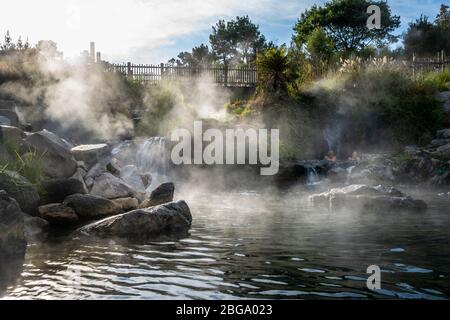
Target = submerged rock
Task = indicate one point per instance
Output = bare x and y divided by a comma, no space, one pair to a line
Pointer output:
35,227
363,197
12,227
58,214
172,220
162,194
57,161
88,206
21,190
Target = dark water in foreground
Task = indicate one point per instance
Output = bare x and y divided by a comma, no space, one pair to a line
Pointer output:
247,245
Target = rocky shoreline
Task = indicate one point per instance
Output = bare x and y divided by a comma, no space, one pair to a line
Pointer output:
81,187
103,190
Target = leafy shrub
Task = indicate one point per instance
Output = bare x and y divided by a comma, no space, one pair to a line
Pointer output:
438,80
28,165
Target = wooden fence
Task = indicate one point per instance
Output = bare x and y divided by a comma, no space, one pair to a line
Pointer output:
230,77
439,63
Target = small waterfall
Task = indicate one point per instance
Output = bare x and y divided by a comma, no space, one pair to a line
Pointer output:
349,173
147,156
312,178
151,155
151,158
328,136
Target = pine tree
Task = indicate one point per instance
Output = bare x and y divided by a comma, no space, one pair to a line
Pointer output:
19,44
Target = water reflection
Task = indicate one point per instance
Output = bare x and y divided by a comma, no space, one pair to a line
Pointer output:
268,248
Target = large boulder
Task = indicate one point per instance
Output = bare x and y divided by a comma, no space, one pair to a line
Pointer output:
90,154
111,187
18,187
11,135
57,161
58,214
9,118
58,189
89,206
162,194
12,228
168,221
367,198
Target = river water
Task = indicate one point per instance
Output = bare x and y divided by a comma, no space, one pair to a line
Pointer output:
249,244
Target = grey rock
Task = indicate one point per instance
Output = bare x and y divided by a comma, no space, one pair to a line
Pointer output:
35,227
111,187
12,228
57,161
90,154
438,142
446,106
168,221
88,206
126,204
11,135
9,117
58,214
369,199
113,167
58,189
443,96
444,150
19,188
443,134
162,194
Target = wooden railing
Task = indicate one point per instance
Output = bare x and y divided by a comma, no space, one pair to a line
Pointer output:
439,63
231,77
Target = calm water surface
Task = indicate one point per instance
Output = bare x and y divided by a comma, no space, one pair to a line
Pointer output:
251,245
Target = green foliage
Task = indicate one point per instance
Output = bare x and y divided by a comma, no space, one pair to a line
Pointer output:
199,57
404,109
273,72
438,80
28,165
345,21
236,41
401,158
321,50
426,38
158,103
241,108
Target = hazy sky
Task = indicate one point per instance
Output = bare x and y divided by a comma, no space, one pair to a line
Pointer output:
152,31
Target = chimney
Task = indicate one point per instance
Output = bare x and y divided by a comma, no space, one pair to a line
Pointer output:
92,52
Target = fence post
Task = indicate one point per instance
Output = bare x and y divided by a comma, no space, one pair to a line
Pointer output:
162,70
225,70
443,61
414,65
129,71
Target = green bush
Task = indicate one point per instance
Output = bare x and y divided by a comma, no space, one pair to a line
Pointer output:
28,165
438,80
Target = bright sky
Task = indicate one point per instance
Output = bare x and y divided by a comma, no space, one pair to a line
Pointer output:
152,31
